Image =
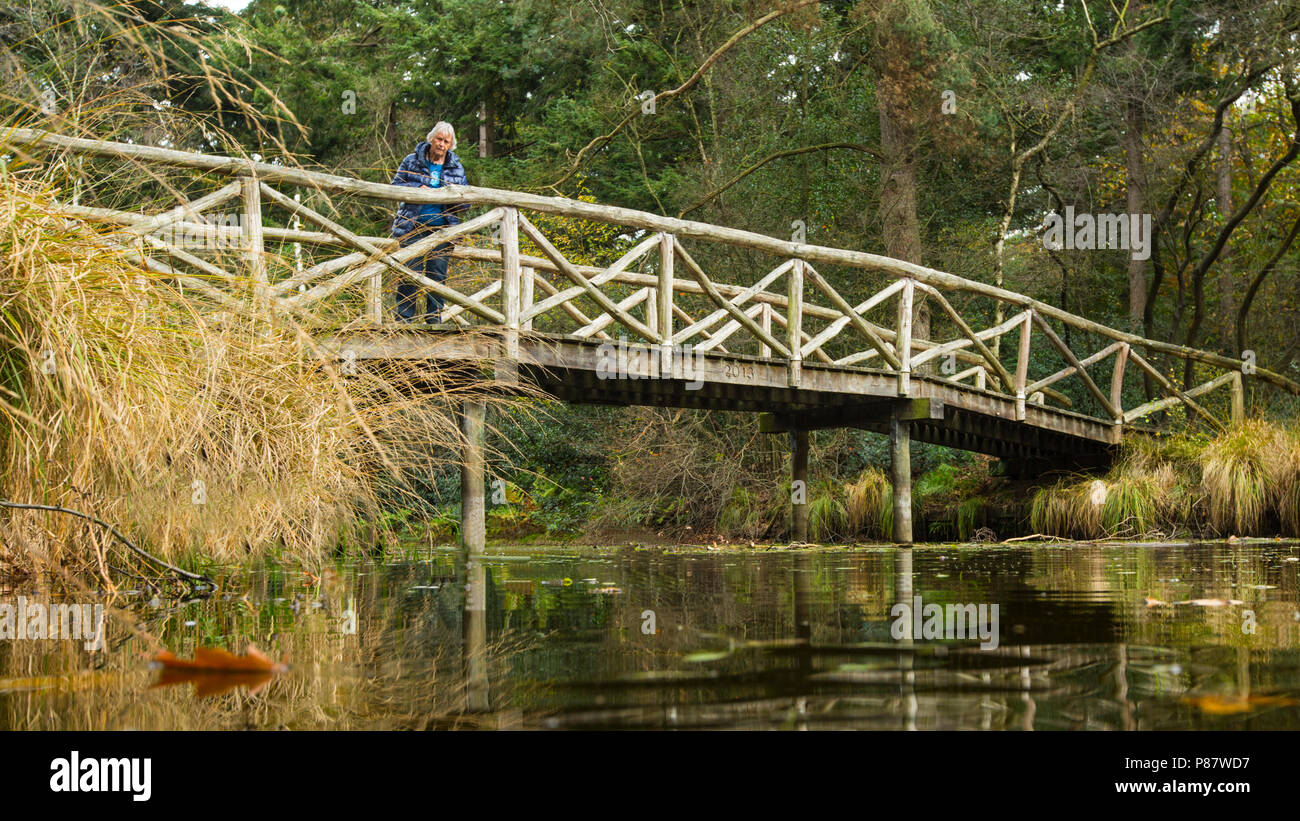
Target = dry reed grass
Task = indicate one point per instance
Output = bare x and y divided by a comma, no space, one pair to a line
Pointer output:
207,434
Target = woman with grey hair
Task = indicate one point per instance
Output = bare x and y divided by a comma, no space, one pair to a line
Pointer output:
432,164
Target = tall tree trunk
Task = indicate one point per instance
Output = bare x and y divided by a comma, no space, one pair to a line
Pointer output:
1227,299
1134,123
895,80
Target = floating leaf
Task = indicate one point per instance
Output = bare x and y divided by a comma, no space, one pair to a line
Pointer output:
209,683
1223,705
216,660
215,671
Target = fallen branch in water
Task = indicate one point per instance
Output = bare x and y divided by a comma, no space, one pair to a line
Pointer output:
1035,536
113,530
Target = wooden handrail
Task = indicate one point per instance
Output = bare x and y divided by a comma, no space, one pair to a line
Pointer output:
271,173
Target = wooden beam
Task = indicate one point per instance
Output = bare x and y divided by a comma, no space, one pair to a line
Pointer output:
22,138
799,486
396,261
903,342
863,415
1022,363
1068,355
627,320
832,330
1001,372
937,350
737,300
740,316
1238,398
510,274
1064,372
1170,389
794,324
847,310
568,307
900,476
804,337
1117,388
146,225
596,281
604,320
473,510
480,295
730,328
1160,404
253,248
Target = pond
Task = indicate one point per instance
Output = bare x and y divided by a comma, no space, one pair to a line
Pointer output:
1023,637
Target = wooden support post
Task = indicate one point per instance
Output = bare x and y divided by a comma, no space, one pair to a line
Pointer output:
473,512
510,274
1022,363
651,296
798,486
794,323
903,342
525,295
664,303
900,474
765,322
474,634
1238,398
253,245
1117,391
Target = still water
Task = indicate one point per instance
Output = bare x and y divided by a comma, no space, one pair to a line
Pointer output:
1116,636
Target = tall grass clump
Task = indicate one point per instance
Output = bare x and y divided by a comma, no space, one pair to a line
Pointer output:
1235,476
868,504
1282,470
1144,494
827,516
194,417
123,399
1245,482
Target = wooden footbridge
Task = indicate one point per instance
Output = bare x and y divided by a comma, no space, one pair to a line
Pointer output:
654,328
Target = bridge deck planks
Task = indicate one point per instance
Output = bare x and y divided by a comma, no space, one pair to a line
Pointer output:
570,370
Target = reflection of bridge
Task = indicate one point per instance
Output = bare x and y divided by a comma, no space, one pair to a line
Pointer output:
804,355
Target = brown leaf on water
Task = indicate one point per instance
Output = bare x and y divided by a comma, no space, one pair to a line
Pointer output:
212,684
215,671
1225,705
214,660
1150,602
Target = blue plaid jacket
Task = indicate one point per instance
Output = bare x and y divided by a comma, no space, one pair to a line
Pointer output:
415,172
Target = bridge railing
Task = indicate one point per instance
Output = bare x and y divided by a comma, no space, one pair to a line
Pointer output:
657,292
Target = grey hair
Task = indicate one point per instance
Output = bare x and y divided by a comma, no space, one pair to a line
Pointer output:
442,126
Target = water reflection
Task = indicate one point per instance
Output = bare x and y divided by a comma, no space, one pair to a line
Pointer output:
539,638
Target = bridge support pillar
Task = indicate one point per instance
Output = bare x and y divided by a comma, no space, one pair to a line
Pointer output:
473,511
900,474
798,486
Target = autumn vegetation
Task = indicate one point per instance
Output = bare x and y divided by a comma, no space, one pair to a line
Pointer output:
935,131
